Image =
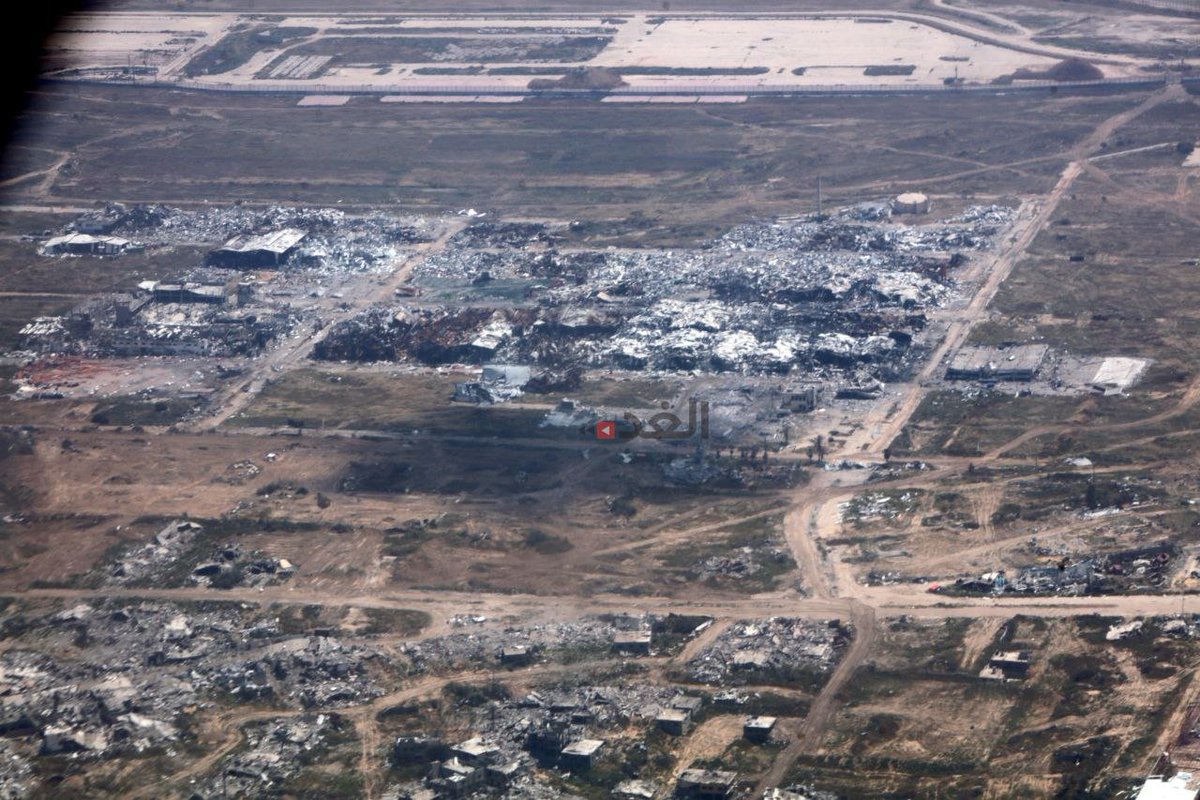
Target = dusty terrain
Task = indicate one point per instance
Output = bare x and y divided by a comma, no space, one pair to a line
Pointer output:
423,536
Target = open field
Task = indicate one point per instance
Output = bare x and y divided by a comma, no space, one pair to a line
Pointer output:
674,169
885,746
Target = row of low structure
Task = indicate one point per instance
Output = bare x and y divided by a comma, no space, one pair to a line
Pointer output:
463,769
247,251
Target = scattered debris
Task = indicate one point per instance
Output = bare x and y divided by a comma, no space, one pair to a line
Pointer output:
775,649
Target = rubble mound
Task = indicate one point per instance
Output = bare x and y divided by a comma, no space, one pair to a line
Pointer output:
1070,69
596,79
775,650
815,295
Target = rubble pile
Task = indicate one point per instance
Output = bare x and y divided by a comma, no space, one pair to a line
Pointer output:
224,308
228,566
839,234
314,671
275,752
458,651
499,234
742,563
136,324
335,241
572,713
16,774
223,566
143,562
878,506
1141,569
560,727
993,215
763,649
88,710
142,669
239,473
529,788
761,299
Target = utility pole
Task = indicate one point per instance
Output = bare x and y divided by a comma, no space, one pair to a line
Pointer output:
818,197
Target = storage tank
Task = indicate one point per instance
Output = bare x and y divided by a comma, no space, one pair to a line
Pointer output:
911,203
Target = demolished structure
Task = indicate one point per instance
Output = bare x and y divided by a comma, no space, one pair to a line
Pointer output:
250,251
819,298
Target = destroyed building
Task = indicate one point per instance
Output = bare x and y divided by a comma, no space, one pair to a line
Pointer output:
189,292
1007,665
250,251
811,297
497,383
1020,363
771,650
85,244
705,784
162,318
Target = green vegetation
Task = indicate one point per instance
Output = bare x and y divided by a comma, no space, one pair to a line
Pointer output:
138,411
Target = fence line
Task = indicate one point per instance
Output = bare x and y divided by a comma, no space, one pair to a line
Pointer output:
753,90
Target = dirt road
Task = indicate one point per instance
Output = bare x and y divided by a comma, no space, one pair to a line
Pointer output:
291,353
806,524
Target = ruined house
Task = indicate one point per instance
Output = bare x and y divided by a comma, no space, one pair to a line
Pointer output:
250,251
580,755
705,784
85,244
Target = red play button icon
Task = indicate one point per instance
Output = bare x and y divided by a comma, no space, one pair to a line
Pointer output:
606,429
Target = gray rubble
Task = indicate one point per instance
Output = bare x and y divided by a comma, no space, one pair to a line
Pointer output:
274,752
760,650
464,650
803,295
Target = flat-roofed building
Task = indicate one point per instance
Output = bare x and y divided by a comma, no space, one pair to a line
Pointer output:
636,642
758,729
580,754
705,784
674,721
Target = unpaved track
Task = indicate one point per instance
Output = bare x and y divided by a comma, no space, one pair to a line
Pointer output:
288,354
807,735
806,524
1185,403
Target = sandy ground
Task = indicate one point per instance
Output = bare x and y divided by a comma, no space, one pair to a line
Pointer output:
139,39
831,50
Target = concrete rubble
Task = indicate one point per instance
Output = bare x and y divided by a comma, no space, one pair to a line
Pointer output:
139,563
560,728
16,774
594,635
757,650
336,241
1146,568
805,295
221,565
274,751
142,669
221,308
